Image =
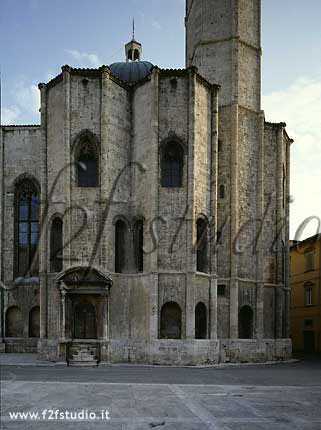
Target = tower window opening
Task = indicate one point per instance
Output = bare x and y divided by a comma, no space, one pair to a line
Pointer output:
172,165
87,166
136,55
222,191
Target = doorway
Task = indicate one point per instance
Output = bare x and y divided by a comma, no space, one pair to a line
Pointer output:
309,343
85,321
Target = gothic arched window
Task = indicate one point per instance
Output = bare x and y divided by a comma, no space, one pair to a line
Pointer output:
202,245
139,245
56,245
171,321
120,246
200,321
87,165
172,165
246,322
27,229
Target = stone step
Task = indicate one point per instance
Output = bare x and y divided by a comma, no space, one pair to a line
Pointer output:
83,351
73,363
83,355
84,358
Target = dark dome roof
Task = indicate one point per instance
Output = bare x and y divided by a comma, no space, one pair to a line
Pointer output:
133,71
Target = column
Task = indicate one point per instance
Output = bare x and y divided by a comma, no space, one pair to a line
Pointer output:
104,134
213,307
63,319
213,221
190,216
190,307
153,294
280,232
43,243
66,70
151,175
259,231
234,205
1,231
105,317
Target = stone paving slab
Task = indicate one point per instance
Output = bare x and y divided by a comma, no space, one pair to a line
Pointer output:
164,406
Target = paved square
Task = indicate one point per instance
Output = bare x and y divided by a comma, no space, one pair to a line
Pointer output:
171,404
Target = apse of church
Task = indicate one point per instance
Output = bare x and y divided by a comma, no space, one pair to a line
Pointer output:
146,218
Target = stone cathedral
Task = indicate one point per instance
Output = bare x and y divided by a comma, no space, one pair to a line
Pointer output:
145,220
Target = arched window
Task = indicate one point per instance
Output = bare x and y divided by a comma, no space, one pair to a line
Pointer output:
87,165
171,321
246,323
172,165
139,245
202,245
14,323
200,321
120,246
27,229
34,322
56,245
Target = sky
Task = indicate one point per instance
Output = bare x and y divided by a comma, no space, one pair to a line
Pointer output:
37,37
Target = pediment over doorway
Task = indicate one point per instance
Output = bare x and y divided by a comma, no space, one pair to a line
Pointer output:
84,276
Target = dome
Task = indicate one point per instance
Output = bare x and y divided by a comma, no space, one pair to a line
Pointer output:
133,71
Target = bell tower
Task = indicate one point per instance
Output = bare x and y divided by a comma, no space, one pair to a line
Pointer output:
133,49
223,40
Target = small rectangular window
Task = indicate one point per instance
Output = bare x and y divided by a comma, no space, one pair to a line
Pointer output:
222,192
221,290
308,296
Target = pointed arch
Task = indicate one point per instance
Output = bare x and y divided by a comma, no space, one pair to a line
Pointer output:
171,321
86,152
14,322
172,163
27,224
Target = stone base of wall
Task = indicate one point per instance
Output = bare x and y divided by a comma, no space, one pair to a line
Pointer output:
199,352
17,345
168,352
